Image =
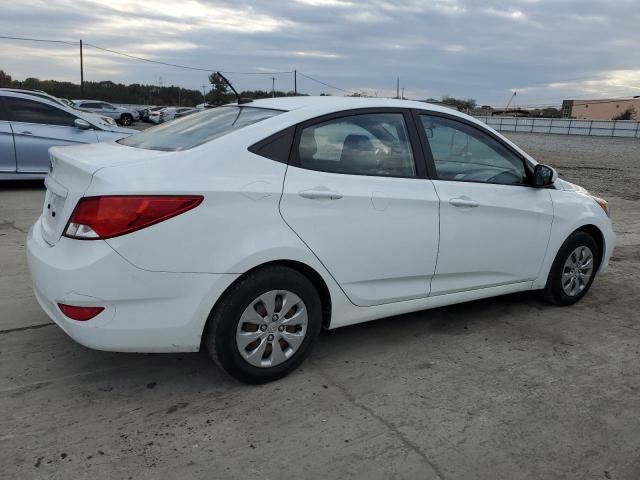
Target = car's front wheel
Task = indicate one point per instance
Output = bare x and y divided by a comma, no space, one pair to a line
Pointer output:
126,119
265,325
573,269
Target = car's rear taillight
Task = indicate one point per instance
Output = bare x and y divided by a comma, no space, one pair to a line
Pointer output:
82,314
114,215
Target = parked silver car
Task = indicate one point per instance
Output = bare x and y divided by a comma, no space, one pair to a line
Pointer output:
124,116
62,101
30,124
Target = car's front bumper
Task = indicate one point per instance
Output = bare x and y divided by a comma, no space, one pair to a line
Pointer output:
144,311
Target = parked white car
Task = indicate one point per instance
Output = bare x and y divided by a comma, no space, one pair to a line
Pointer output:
247,228
124,116
166,114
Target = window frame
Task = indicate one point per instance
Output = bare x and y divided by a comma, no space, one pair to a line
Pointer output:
431,165
4,111
9,113
417,151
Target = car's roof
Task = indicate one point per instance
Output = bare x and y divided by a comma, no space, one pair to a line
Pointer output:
300,109
341,103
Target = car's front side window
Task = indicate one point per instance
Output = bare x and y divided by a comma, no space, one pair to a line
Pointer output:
364,144
28,111
463,153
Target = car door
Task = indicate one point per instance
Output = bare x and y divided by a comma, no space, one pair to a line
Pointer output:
494,226
357,195
108,110
7,147
38,125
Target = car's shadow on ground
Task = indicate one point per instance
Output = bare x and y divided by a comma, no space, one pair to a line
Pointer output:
196,372
22,185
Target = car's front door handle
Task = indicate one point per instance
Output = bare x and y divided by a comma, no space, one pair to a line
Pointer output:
463,202
26,132
321,193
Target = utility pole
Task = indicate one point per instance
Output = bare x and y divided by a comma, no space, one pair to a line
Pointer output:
204,95
81,73
398,88
402,93
295,83
273,87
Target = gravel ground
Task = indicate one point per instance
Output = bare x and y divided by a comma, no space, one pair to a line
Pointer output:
504,388
609,167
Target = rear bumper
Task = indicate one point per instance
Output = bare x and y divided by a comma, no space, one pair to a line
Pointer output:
144,311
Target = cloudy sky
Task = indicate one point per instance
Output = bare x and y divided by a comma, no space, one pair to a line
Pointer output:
546,50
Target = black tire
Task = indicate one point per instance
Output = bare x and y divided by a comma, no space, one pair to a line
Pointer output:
220,335
554,292
126,119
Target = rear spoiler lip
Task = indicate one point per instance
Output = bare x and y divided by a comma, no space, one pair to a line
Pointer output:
55,187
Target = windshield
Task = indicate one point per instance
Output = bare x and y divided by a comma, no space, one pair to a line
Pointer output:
197,128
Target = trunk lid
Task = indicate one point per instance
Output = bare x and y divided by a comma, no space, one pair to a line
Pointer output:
71,170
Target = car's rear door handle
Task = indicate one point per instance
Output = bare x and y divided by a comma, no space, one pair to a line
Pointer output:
463,202
321,193
26,132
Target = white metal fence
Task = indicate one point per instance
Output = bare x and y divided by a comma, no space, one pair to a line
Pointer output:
565,126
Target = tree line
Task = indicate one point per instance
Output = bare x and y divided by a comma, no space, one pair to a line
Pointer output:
135,93
219,93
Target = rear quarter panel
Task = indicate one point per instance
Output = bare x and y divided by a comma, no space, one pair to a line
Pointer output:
237,226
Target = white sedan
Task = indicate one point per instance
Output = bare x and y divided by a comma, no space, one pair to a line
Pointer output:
245,229
166,114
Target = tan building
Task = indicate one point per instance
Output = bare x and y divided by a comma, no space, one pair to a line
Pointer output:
602,109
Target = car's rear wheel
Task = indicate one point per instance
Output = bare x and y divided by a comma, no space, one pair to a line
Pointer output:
265,325
573,270
126,119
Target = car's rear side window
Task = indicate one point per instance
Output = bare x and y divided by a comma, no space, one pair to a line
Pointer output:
198,128
365,144
30,111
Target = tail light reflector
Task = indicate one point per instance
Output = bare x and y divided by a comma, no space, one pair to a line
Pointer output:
82,314
114,215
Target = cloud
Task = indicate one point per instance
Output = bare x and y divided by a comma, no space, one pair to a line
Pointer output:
544,49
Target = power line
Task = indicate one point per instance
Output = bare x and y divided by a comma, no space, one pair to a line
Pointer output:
186,67
39,40
325,84
135,57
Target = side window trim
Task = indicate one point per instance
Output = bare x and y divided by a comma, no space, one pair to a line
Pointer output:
4,111
431,166
416,150
275,147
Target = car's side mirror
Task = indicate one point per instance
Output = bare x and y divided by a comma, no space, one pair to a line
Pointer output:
429,132
81,124
544,175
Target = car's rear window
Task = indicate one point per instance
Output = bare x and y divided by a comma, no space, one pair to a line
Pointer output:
198,128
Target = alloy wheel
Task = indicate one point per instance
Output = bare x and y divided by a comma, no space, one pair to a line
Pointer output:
577,271
272,328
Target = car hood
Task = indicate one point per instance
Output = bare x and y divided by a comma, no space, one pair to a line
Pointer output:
116,129
563,185
93,118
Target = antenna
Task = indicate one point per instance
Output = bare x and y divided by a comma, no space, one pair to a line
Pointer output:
240,100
